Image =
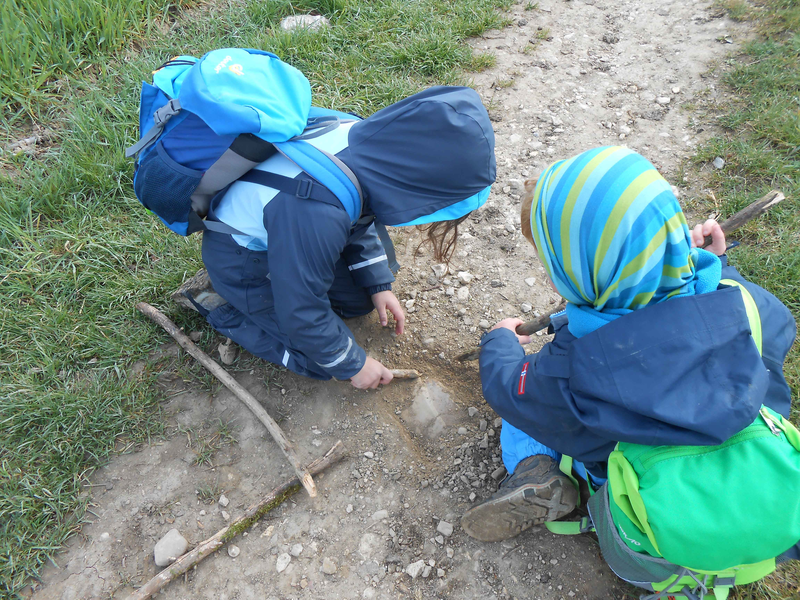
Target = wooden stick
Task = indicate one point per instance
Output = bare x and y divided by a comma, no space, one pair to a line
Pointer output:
204,359
756,209
526,328
405,373
253,514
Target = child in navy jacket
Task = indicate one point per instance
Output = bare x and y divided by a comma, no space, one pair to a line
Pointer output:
654,348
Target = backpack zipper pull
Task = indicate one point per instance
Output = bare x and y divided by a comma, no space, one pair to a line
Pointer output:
772,427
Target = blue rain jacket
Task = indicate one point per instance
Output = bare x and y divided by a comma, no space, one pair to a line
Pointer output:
682,372
426,154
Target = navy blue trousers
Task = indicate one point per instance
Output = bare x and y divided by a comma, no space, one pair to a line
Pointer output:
241,276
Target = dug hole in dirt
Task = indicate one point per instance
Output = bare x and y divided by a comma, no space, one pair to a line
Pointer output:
570,75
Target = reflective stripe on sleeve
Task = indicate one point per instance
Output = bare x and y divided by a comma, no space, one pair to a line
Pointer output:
367,263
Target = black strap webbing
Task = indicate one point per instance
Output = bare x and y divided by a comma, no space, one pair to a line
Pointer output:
305,189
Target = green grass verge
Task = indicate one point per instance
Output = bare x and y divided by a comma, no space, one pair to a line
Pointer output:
761,148
77,251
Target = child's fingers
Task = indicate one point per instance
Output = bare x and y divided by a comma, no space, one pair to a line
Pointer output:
697,236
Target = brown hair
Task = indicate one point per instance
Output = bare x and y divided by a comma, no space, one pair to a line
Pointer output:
441,237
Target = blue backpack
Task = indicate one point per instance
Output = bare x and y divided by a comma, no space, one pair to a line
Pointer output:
207,122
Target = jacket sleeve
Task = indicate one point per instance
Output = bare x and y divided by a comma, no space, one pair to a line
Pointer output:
516,387
778,331
306,239
366,258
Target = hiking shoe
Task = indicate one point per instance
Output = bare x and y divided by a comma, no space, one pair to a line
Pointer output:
537,492
198,291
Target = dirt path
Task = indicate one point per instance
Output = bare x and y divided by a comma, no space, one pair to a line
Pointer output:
570,75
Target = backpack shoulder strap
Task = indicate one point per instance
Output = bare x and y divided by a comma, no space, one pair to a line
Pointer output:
246,151
752,311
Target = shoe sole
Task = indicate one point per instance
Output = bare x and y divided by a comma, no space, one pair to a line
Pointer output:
520,509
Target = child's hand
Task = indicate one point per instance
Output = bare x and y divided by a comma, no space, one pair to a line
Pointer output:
512,324
712,228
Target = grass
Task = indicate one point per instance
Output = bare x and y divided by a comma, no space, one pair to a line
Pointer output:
52,38
761,148
76,249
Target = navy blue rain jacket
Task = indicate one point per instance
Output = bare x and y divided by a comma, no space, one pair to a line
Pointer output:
412,158
682,372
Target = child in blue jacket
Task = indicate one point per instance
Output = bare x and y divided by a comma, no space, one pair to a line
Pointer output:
653,348
301,266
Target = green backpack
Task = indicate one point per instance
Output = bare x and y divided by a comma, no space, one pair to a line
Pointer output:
689,521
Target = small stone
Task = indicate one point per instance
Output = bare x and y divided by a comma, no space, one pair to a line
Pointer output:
445,528
415,569
439,270
610,38
283,562
223,501
369,454
676,90
675,191
328,566
440,572
531,281
472,411
450,291
426,571
349,508
553,561
233,551
483,324
498,473
525,307
428,341
296,550
202,513
450,553
496,283
225,515
484,445
410,303
464,277
195,336
663,100
497,422
462,431
227,352
380,515
439,540
303,583
719,162
312,22
463,294
169,548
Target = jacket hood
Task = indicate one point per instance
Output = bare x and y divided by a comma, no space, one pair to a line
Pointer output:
684,372
428,157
